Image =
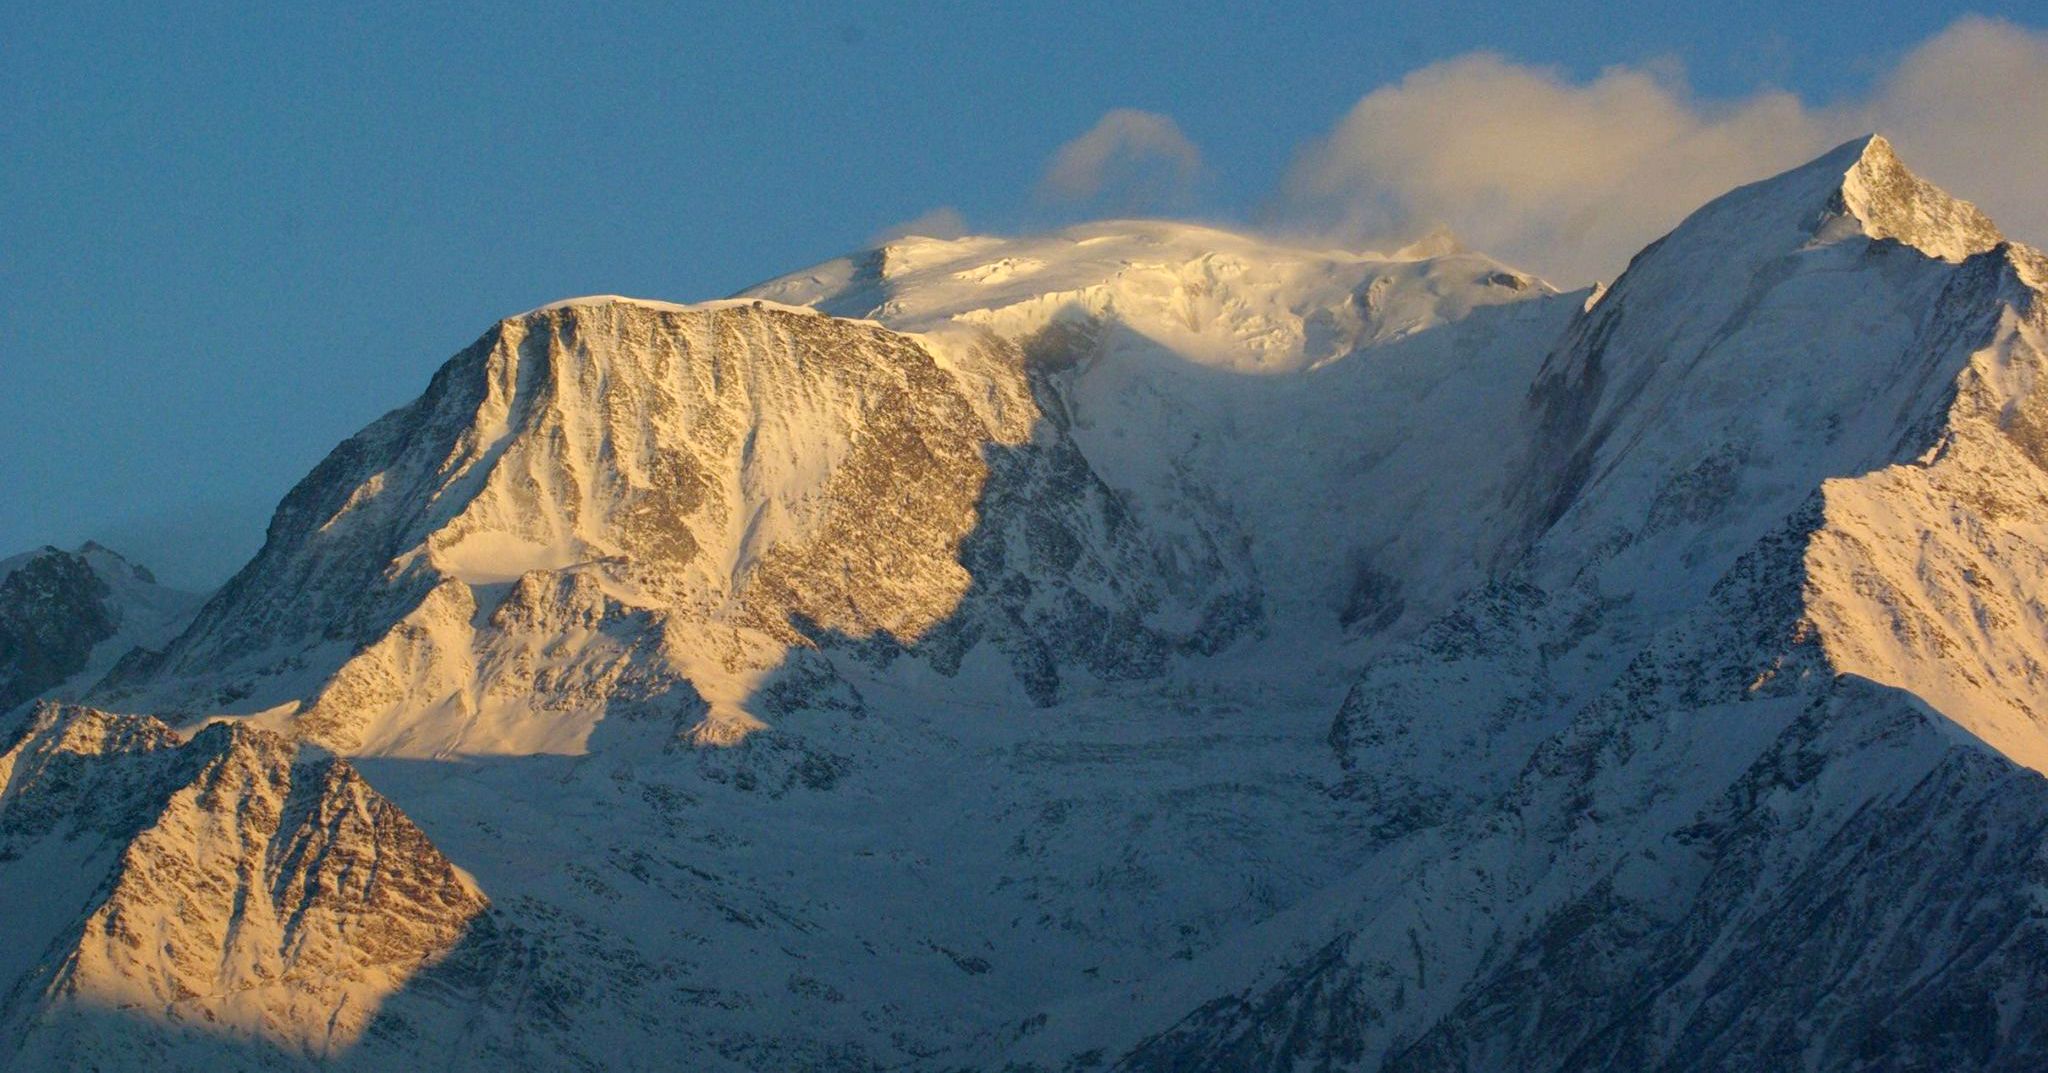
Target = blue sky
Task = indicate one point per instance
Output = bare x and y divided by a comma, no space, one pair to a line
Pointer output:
230,238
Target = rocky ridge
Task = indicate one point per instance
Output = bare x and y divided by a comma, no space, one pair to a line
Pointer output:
226,886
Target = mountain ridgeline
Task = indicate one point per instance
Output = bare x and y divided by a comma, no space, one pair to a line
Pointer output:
1138,647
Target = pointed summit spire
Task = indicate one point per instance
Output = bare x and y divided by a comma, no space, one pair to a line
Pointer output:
1857,191
1892,202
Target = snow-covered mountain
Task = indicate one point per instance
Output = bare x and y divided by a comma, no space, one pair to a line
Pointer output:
1141,647
609,509
1731,766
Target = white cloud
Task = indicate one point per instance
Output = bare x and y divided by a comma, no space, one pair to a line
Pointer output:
1139,160
1571,178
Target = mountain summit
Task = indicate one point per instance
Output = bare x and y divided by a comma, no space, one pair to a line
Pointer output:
607,505
1891,202
1137,647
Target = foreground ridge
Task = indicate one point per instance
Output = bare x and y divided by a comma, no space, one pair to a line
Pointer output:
228,887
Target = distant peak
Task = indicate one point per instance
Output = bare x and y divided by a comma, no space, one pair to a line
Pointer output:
94,549
108,562
1439,242
1893,203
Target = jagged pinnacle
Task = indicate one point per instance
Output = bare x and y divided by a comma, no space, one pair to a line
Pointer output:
1894,203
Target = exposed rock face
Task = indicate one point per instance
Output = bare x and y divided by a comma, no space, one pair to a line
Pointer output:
1889,202
225,886
53,611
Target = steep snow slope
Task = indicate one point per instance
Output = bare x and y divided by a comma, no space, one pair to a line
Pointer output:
1802,352
1646,802
66,617
1763,348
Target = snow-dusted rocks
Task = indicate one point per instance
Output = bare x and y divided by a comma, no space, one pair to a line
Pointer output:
1883,200
169,899
1139,647
1928,574
608,505
66,617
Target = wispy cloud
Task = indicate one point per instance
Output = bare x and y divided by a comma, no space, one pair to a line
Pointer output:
1134,160
1572,177
944,221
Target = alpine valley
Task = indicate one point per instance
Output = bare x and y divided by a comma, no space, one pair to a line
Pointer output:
1138,647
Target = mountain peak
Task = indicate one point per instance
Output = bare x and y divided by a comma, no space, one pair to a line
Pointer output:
1857,192
1891,202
